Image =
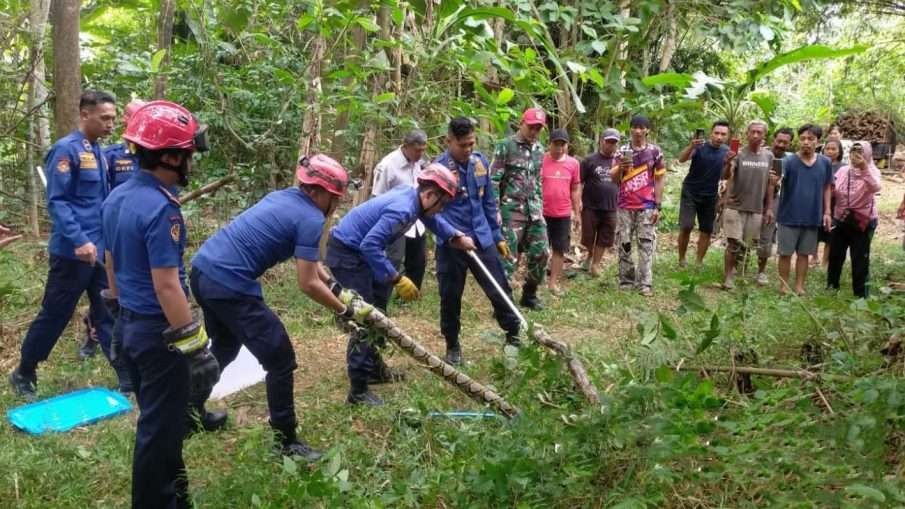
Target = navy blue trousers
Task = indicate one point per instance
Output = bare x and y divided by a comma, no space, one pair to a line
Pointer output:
233,319
452,269
351,270
66,281
161,379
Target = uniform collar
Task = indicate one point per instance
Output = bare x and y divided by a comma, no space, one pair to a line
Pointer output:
466,164
81,136
305,198
147,178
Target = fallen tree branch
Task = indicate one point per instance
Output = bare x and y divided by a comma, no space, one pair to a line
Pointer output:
579,374
825,401
206,189
801,374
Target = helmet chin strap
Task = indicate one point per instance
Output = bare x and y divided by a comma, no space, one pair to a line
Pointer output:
182,170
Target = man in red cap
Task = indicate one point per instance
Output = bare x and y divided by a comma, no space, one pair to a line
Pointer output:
516,169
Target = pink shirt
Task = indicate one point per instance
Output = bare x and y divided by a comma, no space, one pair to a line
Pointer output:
855,190
557,178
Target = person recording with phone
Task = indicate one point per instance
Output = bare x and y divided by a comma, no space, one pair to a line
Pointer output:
640,174
854,218
699,189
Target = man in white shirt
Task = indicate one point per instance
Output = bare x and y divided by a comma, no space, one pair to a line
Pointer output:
401,167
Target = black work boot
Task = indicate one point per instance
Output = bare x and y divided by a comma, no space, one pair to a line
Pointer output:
454,355
529,297
288,444
366,398
24,385
513,340
200,419
385,375
88,347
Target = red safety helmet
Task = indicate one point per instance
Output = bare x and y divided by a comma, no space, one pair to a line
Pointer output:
131,108
160,125
323,171
440,175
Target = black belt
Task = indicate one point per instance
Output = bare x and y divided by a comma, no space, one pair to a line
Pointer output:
132,315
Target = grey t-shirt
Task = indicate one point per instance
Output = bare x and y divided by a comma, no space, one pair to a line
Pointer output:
750,176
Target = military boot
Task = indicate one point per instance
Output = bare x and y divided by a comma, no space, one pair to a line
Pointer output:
288,444
366,398
200,419
529,297
454,355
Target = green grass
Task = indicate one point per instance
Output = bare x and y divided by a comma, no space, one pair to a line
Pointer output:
661,438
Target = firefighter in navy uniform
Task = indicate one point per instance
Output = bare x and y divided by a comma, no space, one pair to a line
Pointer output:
473,212
356,255
121,160
284,224
164,344
76,188
121,164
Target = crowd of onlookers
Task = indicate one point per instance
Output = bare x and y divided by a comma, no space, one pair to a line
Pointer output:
755,190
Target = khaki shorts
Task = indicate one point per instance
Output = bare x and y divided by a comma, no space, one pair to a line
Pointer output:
741,226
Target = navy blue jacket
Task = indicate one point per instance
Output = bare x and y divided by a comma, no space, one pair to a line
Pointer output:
76,188
144,228
375,224
474,210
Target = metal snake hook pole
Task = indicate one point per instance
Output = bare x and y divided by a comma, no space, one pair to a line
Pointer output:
499,288
576,368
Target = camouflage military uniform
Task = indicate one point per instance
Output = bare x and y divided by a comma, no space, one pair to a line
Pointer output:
516,171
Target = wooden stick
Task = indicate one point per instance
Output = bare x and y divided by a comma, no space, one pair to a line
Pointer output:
206,189
779,373
825,401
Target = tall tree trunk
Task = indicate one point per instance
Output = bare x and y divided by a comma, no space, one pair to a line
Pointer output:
38,125
625,11
672,33
310,138
565,105
368,157
338,144
164,43
67,71
492,78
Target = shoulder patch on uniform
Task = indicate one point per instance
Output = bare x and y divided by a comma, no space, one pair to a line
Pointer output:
175,230
166,192
63,165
